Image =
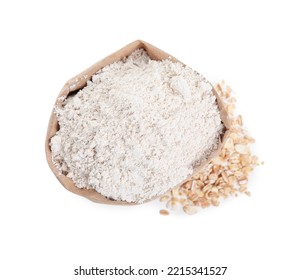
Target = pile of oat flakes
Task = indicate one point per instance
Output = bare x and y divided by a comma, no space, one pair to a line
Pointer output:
223,176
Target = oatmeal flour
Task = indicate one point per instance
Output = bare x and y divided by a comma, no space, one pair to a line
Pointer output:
134,123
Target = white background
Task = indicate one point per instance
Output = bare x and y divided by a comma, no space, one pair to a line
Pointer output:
47,232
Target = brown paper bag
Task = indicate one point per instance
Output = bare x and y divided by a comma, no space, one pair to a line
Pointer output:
79,81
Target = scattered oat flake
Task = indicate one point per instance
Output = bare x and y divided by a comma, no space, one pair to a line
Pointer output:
164,212
190,210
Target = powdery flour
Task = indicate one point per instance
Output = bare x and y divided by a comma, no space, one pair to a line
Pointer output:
137,129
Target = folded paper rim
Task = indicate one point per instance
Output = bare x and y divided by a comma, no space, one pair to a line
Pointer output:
79,81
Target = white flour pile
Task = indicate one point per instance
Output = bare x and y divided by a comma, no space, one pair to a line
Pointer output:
137,129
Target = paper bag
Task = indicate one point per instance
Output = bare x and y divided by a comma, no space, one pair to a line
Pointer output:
79,81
